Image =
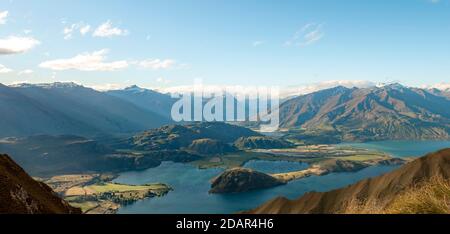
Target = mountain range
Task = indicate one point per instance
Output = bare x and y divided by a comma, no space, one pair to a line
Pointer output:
68,108
379,113
327,116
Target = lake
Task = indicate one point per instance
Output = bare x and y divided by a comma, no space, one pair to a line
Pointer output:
402,148
191,185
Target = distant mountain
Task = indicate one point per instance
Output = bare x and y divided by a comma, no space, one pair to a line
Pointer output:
67,108
378,113
421,186
21,194
440,92
210,147
147,99
261,142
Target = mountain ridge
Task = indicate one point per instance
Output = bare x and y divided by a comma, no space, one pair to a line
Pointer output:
380,113
68,108
147,99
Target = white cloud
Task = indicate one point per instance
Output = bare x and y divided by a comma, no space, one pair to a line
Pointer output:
107,30
26,72
81,27
94,61
441,86
107,87
3,16
15,45
68,31
4,69
27,31
85,29
285,92
307,35
310,88
157,64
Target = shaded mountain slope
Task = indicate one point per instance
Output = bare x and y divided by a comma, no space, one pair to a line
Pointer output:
146,99
67,108
381,190
20,194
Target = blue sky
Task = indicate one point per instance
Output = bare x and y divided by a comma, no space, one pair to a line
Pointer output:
117,43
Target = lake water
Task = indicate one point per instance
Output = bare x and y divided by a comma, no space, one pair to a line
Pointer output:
191,185
402,148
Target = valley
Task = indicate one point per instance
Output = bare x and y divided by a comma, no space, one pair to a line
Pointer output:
224,107
169,168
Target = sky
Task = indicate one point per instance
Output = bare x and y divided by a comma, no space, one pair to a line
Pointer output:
109,44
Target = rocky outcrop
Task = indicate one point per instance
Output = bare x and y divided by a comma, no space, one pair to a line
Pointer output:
242,180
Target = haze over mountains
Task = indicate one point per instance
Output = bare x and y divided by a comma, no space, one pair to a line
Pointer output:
68,108
146,99
378,113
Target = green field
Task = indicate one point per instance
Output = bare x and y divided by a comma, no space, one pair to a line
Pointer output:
113,187
237,159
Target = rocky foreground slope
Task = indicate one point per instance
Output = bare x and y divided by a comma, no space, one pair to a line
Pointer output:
379,194
21,194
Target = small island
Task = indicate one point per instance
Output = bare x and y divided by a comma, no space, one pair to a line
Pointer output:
238,180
